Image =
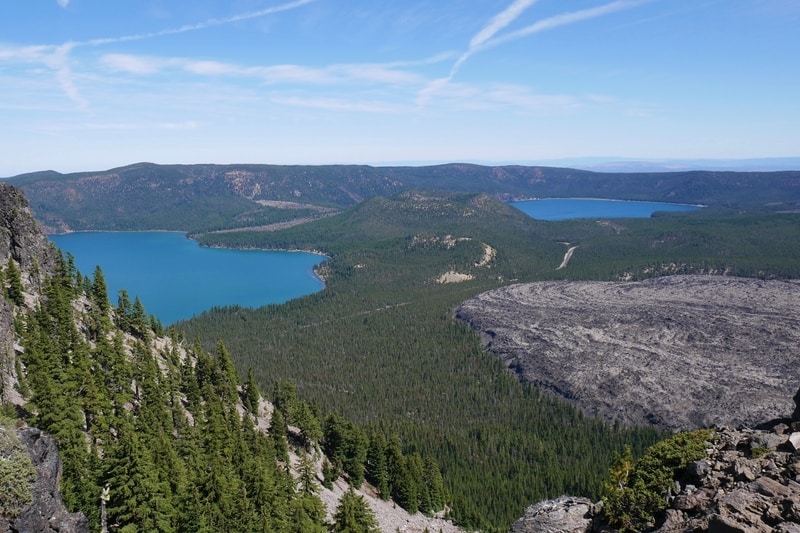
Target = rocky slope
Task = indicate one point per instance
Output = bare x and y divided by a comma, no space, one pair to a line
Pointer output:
748,482
678,352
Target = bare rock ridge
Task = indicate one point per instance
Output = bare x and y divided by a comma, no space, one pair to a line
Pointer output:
678,352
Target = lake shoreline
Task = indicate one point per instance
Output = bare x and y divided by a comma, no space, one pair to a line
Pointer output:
170,271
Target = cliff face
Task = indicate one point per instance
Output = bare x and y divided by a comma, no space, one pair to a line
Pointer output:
33,255
20,238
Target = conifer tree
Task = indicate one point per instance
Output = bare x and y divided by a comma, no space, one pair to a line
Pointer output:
137,496
309,424
284,398
99,291
277,431
376,470
435,484
353,515
124,311
307,475
306,515
251,395
416,471
226,377
13,278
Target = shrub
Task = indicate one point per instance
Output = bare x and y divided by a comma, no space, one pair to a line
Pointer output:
637,491
16,472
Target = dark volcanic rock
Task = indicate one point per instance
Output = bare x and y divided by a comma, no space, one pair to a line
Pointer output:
678,352
46,514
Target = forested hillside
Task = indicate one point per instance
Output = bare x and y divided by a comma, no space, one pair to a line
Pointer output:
199,198
380,344
162,428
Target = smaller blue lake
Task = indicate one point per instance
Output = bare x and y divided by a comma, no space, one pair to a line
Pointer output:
176,278
570,208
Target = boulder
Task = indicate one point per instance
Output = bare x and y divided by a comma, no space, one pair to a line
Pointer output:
566,514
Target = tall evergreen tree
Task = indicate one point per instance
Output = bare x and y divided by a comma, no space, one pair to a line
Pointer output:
13,278
377,471
99,291
353,515
137,496
277,431
252,397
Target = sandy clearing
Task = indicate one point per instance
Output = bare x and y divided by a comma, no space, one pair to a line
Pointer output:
567,257
454,277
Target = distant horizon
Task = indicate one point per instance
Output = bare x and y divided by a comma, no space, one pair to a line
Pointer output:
594,164
93,84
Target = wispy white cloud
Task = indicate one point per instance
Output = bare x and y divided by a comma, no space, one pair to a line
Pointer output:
132,64
524,98
564,19
379,73
120,126
57,58
496,97
338,104
210,23
486,37
500,21
60,63
496,24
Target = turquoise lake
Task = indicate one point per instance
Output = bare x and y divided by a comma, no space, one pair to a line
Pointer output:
571,208
176,278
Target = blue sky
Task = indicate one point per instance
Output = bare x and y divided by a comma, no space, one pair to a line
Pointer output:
93,84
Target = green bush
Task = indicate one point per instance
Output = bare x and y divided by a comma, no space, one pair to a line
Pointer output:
637,491
16,472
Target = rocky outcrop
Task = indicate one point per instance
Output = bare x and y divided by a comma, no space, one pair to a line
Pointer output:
20,237
46,513
566,514
34,256
749,482
678,352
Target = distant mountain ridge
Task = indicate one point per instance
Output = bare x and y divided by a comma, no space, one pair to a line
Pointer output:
207,197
